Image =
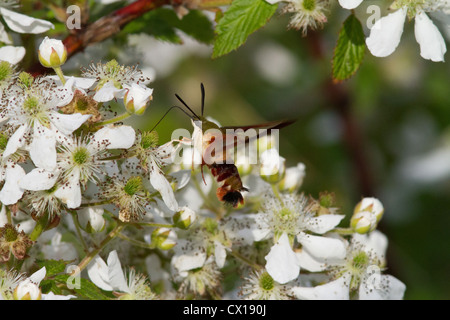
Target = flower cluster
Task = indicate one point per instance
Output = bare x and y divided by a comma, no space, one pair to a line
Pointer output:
69,166
385,34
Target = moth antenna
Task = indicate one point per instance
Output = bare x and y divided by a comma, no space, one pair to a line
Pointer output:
184,103
202,88
167,113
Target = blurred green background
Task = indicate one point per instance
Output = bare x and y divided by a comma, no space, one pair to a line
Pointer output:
383,133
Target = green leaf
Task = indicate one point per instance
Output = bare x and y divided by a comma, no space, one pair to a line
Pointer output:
86,289
163,22
52,266
241,19
350,49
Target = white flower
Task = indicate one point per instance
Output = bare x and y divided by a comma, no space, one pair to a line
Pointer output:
52,53
307,14
136,98
110,277
360,271
386,32
113,80
259,285
39,125
80,162
289,216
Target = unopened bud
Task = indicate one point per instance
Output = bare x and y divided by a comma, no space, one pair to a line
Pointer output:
91,219
164,238
52,53
367,214
184,218
137,98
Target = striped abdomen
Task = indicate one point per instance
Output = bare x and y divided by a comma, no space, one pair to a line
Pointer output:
227,175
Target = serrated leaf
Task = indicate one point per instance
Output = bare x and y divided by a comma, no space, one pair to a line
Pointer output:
242,18
52,266
350,49
87,289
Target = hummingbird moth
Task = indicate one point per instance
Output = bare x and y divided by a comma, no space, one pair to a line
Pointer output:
213,142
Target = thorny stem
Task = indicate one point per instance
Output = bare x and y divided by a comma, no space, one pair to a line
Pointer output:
83,264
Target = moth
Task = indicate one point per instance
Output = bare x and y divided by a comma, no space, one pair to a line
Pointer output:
214,142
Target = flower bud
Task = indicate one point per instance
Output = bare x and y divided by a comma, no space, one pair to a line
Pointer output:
52,53
293,179
367,214
91,219
27,290
136,99
164,238
184,218
273,166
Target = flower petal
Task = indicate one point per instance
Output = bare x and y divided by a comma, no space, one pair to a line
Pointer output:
98,273
43,148
160,183
109,92
350,4
334,290
220,253
432,44
388,288
38,276
70,192
324,223
12,54
24,24
11,192
38,179
375,242
121,137
386,33
323,247
308,262
52,296
115,273
282,263
16,141
68,123
4,37
187,256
